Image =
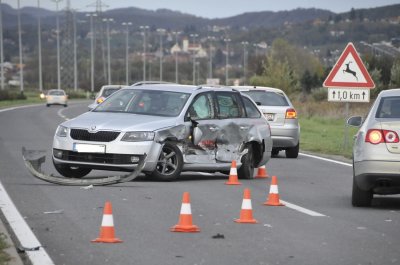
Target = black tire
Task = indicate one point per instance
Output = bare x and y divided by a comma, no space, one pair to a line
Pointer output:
293,152
359,197
47,105
65,105
275,152
72,172
246,171
170,163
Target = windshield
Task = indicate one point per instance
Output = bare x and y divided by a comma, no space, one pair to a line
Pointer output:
267,98
146,102
109,91
56,93
389,107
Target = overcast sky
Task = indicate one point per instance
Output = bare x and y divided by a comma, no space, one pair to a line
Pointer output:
210,8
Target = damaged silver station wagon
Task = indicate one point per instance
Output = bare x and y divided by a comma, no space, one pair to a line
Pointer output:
175,127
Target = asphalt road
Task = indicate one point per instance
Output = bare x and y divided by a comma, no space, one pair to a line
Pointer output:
326,230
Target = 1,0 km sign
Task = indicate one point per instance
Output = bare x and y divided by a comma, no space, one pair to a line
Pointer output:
348,94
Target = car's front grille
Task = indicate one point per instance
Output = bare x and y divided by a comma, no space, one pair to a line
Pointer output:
112,159
100,136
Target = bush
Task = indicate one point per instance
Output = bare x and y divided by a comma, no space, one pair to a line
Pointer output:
320,94
72,94
6,95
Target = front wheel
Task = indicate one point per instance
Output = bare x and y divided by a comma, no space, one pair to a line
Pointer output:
246,171
169,164
71,172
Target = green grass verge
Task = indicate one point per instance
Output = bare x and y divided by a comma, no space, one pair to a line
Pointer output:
326,136
4,257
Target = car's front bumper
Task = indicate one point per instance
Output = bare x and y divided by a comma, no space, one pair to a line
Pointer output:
118,155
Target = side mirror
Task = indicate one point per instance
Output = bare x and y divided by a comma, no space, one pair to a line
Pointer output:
355,121
197,135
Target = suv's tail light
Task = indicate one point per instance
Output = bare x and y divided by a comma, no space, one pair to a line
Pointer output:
377,136
291,114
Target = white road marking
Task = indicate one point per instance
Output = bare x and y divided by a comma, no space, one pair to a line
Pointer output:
302,209
328,160
22,231
59,113
20,107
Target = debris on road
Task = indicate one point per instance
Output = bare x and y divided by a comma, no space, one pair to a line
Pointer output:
35,158
22,249
54,212
87,187
218,236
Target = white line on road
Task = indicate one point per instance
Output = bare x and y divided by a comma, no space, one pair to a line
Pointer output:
328,160
302,210
22,231
59,113
19,107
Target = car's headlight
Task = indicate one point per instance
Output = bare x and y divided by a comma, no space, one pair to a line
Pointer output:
62,131
138,136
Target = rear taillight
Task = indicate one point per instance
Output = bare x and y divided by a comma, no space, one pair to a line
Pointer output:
377,136
291,114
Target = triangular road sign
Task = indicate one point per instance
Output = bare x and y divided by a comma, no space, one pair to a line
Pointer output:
349,71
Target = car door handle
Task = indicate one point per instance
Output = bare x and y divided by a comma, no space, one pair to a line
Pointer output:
243,128
213,129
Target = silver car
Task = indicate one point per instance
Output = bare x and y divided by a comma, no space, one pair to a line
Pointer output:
376,151
104,92
281,115
178,128
56,97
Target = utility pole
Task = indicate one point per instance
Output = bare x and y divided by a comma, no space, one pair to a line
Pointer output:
108,20
245,43
194,57
91,51
58,46
161,32
227,61
1,47
127,24
40,51
176,33
21,71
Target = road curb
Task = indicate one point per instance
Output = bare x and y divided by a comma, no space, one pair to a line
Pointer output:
11,250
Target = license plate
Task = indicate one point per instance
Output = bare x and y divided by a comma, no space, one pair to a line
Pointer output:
270,116
89,148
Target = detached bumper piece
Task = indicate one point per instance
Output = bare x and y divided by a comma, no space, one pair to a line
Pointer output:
35,158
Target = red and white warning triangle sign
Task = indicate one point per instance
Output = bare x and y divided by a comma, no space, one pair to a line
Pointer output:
349,71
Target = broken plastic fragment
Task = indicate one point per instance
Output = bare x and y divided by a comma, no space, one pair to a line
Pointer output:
54,212
22,249
87,187
218,236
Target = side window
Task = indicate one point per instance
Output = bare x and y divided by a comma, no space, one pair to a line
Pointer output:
202,107
229,106
251,109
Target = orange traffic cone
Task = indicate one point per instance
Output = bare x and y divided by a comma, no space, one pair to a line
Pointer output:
185,223
273,197
246,214
107,234
233,176
261,173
